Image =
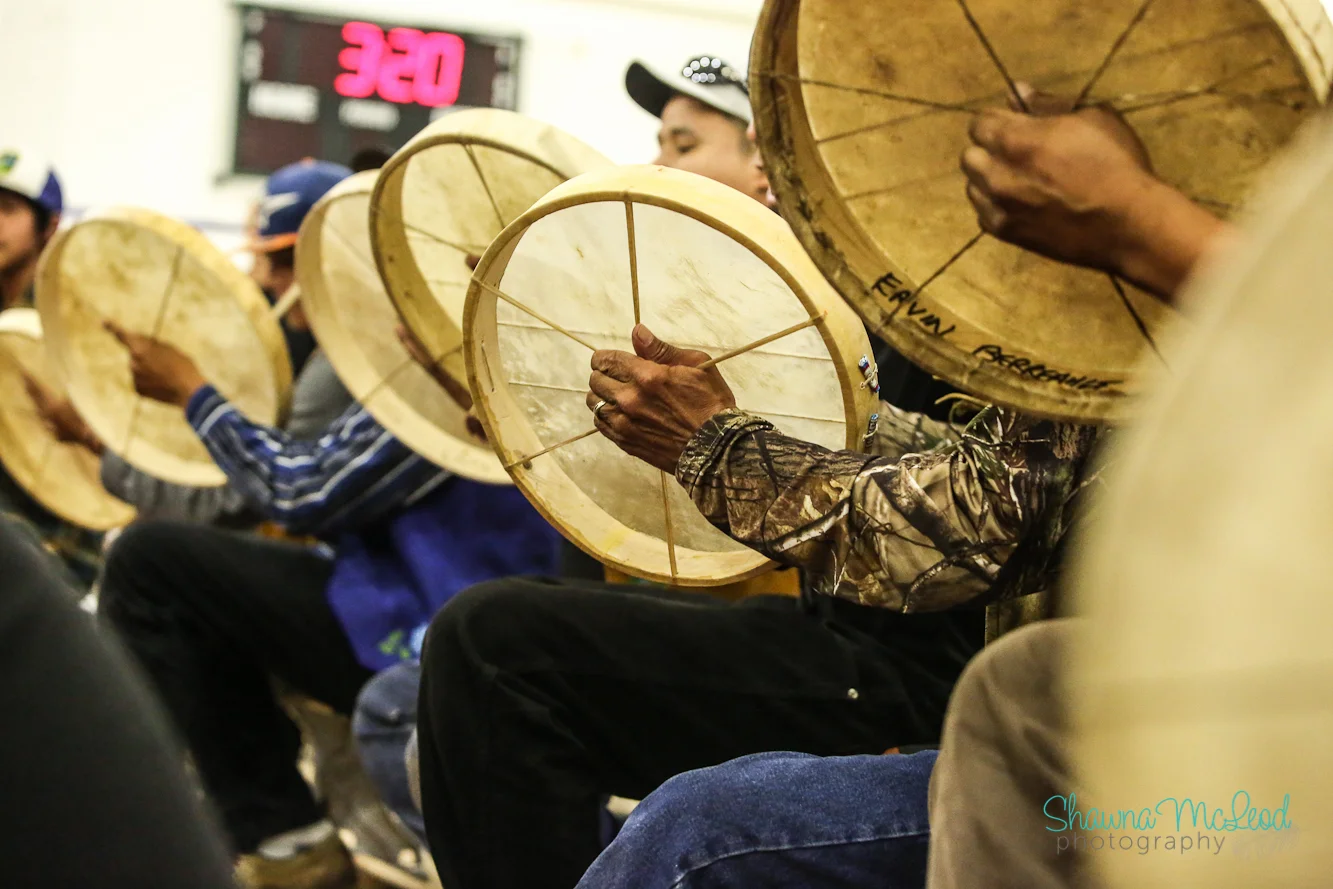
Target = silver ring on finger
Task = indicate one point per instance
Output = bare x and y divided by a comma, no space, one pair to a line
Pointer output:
597,409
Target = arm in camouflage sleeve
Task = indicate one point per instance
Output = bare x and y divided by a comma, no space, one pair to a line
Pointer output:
922,524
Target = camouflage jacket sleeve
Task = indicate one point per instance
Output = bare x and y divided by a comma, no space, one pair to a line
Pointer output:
926,521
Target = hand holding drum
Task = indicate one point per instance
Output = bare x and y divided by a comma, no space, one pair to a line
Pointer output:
160,370
60,417
46,445
652,403
861,135
1078,187
684,297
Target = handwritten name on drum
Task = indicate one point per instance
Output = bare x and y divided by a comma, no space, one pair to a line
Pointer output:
1042,373
890,287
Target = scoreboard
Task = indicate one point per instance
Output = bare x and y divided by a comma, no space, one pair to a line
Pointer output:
313,86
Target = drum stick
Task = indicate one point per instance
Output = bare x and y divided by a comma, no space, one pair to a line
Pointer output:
522,308
750,347
670,530
284,305
556,446
809,322
633,260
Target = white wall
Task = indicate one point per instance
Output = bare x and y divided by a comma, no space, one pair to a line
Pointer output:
134,99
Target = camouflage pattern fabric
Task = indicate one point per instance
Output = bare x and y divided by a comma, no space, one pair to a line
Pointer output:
933,517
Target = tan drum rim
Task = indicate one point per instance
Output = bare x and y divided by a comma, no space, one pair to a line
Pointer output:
813,219
249,299
55,506
411,429
398,272
501,249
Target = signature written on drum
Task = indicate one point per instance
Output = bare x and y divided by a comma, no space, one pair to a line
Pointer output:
1033,370
891,289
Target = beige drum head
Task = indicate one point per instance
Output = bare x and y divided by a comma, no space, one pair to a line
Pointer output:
863,110
355,323
1206,669
64,478
159,277
703,267
447,193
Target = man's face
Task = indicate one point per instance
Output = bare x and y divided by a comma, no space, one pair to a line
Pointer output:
20,241
697,139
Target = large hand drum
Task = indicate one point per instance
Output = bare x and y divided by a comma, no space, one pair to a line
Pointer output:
355,324
704,267
447,194
1206,667
159,277
64,478
863,110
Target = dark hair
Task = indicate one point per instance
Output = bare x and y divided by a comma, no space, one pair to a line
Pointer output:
283,259
370,159
41,217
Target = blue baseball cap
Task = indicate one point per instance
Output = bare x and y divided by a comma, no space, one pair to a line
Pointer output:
30,176
289,195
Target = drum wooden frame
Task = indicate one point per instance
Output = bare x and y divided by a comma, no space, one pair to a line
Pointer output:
862,135
701,212
354,323
516,160
64,478
204,305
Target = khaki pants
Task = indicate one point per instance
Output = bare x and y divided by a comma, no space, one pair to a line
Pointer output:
1004,753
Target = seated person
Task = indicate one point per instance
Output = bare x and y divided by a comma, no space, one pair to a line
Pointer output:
31,202
88,764
586,690
318,396
212,615
703,131
791,820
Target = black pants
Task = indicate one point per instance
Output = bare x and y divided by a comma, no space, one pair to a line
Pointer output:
538,698
92,780
212,615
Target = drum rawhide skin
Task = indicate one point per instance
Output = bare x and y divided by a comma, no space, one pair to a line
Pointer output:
445,195
1205,672
863,108
65,478
355,324
702,266
159,277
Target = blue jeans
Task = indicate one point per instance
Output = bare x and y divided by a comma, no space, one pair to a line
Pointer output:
385,717
780,821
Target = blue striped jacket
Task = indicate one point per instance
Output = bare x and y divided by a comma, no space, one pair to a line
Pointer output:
406,535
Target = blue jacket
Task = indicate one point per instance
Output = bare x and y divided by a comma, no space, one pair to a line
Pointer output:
406,535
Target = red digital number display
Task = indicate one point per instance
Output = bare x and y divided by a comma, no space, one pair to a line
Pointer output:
403,66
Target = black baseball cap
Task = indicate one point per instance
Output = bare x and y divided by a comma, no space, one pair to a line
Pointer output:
708,79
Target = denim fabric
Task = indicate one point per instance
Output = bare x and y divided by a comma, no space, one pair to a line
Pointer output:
385,717
780,821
